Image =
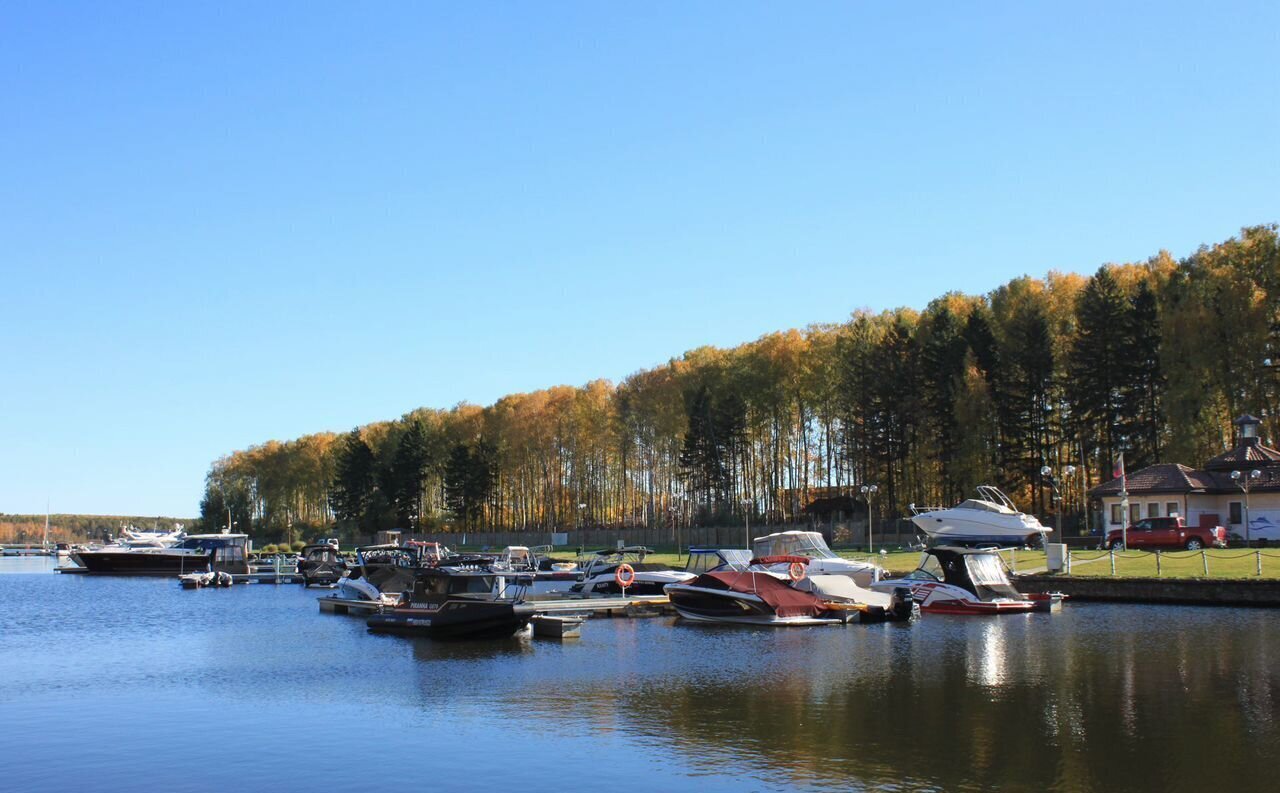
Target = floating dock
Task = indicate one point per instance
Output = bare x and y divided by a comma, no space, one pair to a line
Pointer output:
634,606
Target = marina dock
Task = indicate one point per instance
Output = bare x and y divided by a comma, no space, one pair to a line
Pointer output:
633,606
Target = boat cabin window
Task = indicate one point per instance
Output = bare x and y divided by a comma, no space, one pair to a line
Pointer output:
470,584
229,553
986,570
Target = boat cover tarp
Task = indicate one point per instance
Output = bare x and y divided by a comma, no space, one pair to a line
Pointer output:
784,600
842,587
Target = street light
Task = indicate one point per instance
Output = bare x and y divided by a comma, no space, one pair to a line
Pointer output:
867,492
1046,473
1244,483
746,511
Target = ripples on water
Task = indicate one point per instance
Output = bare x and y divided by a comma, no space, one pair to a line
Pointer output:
118,683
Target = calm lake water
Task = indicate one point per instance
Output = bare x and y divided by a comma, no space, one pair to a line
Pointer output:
115,684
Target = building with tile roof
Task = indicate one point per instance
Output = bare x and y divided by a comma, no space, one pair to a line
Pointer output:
1212,495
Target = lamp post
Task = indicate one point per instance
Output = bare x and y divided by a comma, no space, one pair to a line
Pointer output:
746,513
1046,473
867,492
1244,483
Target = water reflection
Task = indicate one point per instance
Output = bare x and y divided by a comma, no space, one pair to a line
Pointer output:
1087,703
1093,698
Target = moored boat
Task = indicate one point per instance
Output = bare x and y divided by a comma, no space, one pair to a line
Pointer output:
194,553
321,565
381,573
761,596
600,574
473,602
958,580
821,559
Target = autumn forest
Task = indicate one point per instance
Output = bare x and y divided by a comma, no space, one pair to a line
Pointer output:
1152,359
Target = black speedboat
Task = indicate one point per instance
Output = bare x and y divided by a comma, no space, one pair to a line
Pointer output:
320,565
463,602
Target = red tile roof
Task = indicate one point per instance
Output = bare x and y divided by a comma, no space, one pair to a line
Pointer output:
1178,478
1246,454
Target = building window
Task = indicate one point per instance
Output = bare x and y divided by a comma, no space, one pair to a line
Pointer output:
1235,518
1115,514
1135,513
1171,508
1153,509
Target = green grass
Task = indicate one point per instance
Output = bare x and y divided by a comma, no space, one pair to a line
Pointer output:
1230,563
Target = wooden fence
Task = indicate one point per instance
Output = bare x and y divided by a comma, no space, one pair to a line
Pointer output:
842,534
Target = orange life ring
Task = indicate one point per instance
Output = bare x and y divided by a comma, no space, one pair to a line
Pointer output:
795,571
625,575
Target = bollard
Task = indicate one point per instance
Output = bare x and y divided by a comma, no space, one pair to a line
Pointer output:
1204,557
1258,556
1068,561
1157,564
1113,561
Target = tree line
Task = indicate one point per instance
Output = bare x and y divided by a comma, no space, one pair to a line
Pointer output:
1150,359
76,528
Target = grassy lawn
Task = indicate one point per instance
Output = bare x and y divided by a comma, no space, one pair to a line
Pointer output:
1226,563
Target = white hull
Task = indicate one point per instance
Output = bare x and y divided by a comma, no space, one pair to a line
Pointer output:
946,524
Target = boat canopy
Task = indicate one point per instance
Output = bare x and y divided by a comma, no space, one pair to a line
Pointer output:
979,571
793,543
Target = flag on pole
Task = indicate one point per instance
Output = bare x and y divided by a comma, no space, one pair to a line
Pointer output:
1117,472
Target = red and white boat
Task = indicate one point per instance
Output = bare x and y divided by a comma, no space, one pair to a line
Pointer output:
953,580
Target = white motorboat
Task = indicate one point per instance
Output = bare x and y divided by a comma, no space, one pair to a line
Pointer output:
822,560
989,519
381,574
954,580
601,574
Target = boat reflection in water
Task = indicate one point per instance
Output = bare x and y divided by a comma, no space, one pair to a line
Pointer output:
1030,701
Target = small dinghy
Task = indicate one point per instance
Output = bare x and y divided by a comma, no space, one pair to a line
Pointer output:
557,627
201,580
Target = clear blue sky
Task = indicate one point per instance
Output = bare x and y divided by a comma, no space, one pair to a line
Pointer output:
222,223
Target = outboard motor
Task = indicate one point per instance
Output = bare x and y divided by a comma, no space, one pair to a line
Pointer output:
903,604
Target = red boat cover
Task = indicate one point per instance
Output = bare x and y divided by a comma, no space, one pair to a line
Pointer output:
785,601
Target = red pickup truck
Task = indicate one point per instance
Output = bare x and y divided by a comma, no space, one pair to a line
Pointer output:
1168,533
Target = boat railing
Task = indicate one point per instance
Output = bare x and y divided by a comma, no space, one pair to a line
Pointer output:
915,510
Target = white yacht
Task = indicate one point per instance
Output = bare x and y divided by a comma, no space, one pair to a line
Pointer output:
991,518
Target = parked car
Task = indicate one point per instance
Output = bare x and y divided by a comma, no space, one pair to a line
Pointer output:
1168,532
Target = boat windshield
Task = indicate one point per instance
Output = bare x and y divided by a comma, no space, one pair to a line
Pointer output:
793,543
705,560
986,570
985,506
930,568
